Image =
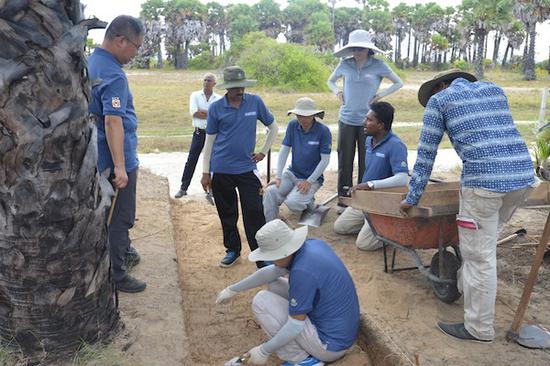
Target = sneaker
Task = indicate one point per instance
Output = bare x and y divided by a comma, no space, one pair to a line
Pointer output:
132,257
458,331
310,361
130,285
230,259
181,193
340,208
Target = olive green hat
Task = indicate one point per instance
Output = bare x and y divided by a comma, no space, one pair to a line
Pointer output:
234,77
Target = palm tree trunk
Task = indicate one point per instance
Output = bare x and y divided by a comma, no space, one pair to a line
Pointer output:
530,63
478,62
55,285
526,48
409,46
496,47
505,55
159,59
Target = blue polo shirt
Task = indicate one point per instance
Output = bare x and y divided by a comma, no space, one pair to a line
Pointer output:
307,147
112,97
322,288
386,159
235,130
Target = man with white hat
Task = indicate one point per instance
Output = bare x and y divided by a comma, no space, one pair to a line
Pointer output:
497,173
313,316
229,156
362,76
310,142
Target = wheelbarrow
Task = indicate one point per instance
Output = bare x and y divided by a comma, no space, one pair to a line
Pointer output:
408,234
429,225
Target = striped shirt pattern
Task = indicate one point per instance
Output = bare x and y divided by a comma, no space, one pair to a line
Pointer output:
479,124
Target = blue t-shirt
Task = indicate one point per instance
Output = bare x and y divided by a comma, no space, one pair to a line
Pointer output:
307,147
235,130
386,159
322,288
112,97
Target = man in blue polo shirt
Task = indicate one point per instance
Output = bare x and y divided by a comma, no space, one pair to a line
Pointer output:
386,166
116,121
229,156
313,316
310,142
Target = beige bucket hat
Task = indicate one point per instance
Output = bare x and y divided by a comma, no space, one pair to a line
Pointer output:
277,241
234,77
306,107
358,38
427,89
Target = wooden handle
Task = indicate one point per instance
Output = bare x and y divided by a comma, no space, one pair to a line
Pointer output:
112,209
537,261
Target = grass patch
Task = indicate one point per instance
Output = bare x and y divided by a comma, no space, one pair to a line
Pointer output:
7,358
162,104
98,355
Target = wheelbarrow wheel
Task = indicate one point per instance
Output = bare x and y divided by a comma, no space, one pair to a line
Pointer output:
446,292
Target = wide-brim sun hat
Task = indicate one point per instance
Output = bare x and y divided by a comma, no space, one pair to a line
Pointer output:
277,241
234,77
427,89
358,38
306,107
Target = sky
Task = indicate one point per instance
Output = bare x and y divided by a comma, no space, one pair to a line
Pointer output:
108,9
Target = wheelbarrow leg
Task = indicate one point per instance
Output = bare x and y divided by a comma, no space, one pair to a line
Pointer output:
393,259
384,246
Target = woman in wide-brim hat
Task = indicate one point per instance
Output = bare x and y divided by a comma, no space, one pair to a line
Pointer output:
362,74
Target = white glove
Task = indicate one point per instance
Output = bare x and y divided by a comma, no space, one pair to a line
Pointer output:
257,356
225,295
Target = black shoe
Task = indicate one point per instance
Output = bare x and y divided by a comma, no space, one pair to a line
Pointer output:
130,285
181,193
458,331
132,257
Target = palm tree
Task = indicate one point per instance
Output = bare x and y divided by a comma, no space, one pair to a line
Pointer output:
55,286
400,16
530,12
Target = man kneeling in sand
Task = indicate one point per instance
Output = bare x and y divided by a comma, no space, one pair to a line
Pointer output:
313,316
385,167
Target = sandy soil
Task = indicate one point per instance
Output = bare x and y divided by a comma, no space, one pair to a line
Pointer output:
402,304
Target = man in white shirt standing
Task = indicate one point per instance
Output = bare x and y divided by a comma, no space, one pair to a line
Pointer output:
199,101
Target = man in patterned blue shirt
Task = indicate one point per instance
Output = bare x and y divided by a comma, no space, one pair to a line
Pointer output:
497,176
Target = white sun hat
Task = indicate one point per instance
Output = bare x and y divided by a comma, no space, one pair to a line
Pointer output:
277,241
358,38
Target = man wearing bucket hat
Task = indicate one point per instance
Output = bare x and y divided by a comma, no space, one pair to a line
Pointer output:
313,316
497,175
229,156
362,75
310,142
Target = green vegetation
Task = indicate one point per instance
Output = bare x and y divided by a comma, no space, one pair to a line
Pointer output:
98,355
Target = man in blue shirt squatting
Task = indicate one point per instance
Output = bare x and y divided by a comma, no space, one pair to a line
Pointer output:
229,156
313,316
386,166
116,122
310,142
497,175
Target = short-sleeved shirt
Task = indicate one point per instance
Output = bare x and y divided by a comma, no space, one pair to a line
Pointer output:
386,159
322,288
360,86
112,97
197,100
235,130
307,147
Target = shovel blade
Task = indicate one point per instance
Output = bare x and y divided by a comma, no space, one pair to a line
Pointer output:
533,336
315,217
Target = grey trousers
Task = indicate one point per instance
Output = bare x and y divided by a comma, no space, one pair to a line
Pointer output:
349,138
288,193
124,216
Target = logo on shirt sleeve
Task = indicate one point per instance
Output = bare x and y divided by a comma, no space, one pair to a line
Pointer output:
293,302
115,101
313,142
248,114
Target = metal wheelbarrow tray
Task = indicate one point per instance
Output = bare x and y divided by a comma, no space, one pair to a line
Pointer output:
430,225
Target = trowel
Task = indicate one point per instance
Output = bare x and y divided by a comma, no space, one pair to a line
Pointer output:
315,217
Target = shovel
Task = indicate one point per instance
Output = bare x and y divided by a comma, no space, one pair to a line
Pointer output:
517,234
315,217
531,336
